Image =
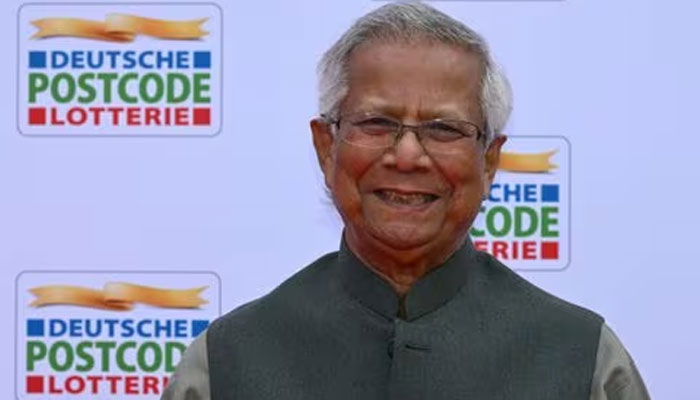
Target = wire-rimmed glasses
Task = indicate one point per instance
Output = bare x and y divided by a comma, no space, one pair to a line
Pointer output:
377,131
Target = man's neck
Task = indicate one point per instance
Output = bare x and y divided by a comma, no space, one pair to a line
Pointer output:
401,268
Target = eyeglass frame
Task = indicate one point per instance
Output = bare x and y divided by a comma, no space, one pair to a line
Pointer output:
401,128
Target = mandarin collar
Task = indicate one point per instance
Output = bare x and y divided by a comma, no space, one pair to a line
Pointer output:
428,294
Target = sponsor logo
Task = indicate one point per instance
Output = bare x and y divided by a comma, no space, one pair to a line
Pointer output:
107,337
119,70
525,222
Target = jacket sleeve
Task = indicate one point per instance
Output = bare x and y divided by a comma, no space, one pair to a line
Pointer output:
191,378
615,376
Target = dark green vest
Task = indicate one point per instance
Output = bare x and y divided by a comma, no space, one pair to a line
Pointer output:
471,329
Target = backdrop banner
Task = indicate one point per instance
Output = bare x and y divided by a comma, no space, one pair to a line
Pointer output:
157,170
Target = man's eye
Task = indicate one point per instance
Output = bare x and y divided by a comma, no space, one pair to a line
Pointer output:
377,125
443,132
378,121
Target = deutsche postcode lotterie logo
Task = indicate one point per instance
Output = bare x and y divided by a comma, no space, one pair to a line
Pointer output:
90,335
525,220
119,70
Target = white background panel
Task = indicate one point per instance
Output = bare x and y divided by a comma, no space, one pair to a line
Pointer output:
617,78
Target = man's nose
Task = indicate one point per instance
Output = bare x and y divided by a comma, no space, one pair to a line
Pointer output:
407,153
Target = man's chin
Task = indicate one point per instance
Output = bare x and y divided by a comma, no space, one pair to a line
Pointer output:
401,236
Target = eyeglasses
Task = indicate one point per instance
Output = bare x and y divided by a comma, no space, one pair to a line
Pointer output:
376,131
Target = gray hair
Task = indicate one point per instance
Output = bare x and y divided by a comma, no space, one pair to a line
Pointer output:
411,22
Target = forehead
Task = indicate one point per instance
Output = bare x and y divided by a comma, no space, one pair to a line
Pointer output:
423,78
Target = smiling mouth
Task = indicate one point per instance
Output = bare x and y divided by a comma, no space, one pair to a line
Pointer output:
405,199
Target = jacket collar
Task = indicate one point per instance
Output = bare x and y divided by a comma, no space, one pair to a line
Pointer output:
427,295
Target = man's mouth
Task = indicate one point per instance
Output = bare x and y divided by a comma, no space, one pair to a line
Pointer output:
405,199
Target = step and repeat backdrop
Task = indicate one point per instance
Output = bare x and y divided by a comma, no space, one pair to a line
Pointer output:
156,174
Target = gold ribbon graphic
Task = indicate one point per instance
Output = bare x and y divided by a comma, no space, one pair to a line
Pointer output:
119,28
531,162
117,296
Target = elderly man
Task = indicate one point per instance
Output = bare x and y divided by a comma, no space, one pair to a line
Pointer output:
412,110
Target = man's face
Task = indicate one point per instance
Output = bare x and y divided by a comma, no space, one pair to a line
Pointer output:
402,197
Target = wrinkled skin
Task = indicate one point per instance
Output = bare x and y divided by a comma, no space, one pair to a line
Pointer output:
405,211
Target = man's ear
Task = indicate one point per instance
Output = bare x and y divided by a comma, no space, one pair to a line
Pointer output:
323,143
492,158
